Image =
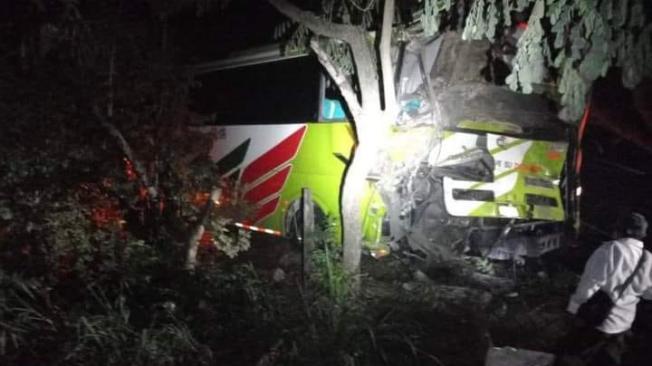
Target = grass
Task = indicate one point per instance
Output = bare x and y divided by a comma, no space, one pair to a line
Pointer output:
148,312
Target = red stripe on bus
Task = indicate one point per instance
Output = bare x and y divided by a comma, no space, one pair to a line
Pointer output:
274,158
580,136
268,187
266,209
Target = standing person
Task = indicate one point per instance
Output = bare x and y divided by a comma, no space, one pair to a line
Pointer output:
608,269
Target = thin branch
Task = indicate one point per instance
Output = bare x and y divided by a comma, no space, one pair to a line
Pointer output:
312,21
113,130
198,230
355,36
366,71
109,103
385,49
338,77
126,149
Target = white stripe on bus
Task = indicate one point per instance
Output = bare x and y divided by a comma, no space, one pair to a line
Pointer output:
258,229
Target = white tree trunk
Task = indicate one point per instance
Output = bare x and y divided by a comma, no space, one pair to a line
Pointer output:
372,134
354,184
371,121
385,52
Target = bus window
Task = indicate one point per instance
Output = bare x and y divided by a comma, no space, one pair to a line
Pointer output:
270,93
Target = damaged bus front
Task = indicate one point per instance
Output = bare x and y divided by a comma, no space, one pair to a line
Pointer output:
473,167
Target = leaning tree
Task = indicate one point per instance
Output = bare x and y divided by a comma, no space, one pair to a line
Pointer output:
565,46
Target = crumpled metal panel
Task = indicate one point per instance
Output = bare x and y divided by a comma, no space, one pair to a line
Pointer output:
483,102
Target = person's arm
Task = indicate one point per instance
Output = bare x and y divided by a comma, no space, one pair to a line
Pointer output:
596,273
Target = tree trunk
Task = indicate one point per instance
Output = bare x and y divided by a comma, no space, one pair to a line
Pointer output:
371,133
370,119
354,184
385,53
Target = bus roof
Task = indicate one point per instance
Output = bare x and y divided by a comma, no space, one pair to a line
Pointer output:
252,56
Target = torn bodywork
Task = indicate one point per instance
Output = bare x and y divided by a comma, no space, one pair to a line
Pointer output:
473,167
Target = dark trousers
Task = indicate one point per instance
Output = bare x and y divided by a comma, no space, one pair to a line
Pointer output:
584,346
640,343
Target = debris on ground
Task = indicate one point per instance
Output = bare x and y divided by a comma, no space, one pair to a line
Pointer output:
508,356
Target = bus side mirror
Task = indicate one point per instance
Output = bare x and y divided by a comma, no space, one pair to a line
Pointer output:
331,110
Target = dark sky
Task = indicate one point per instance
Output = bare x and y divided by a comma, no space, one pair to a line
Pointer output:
244,24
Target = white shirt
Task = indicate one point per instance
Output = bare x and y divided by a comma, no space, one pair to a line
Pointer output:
607,269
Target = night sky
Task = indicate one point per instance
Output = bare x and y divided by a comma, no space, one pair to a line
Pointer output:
244,24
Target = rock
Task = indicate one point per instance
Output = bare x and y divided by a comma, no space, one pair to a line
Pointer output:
508,356
421,277
444,295
493,284
457,272
278,275
409,286
290,260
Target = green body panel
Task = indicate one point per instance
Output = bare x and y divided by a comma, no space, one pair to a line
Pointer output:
372,214
517,161
538,165
318,167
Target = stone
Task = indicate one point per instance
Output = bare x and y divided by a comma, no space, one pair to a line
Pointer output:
508,356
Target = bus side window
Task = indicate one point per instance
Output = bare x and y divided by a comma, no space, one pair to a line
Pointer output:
269,93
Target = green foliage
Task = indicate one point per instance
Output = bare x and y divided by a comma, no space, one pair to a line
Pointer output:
580,40
226,240
87,257
532,55
567,44
481,265
432,15
142,323
329,273
476,28
296,38
23,316
111,337
147,311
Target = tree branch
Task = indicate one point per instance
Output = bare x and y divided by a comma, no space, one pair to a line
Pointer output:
313,22
126,149
356,37
109,103
366,70
198,230
385,49
338,77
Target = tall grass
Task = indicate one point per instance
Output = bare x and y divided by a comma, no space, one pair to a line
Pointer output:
145,311
331,325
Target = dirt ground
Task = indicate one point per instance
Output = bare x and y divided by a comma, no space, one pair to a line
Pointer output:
461,328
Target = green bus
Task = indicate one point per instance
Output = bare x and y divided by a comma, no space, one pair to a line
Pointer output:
470,167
